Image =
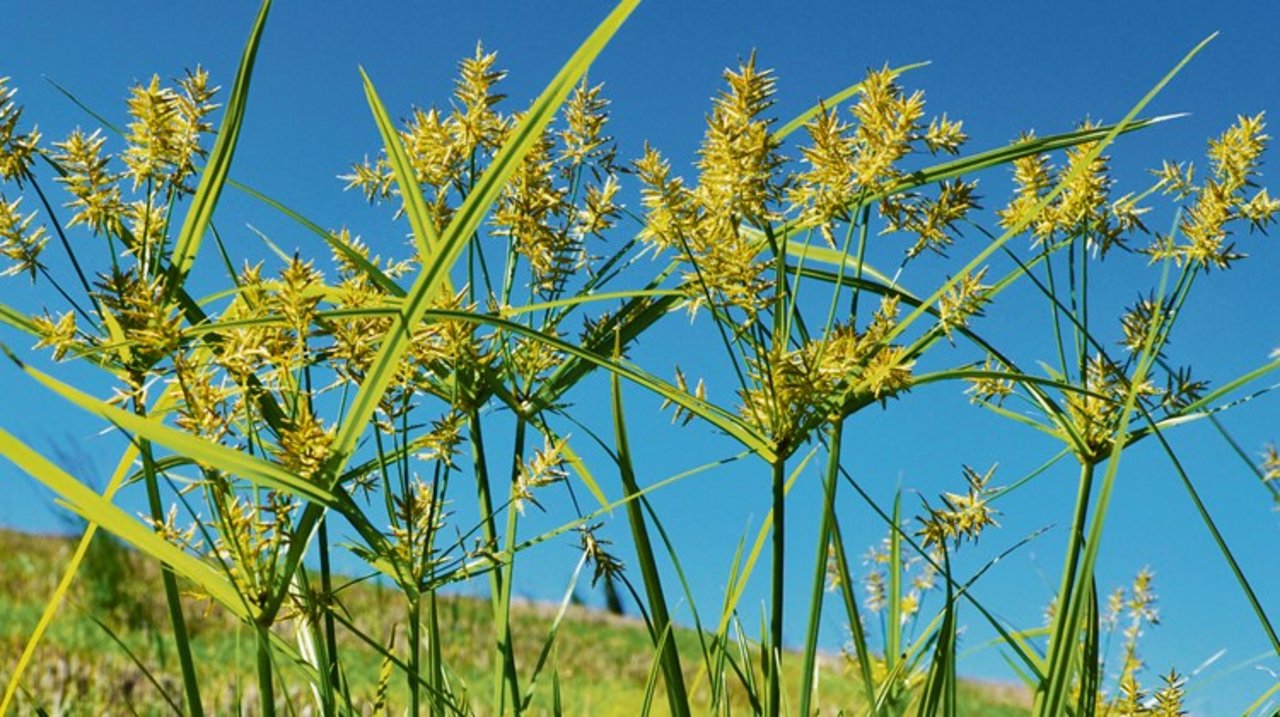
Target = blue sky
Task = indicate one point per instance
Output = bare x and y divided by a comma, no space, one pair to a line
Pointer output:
1001,67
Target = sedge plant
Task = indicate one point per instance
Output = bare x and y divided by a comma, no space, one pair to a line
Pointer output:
308,408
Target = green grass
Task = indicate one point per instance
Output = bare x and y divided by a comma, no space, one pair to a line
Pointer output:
603,660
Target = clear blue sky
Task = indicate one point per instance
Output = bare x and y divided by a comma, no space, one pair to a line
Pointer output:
1002,67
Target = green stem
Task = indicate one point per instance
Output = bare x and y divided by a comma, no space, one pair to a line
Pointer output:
893,623
266,689
1075,544
773,657
506,671
820,568
330,632
182,639
415,652
669,656
435,656
490,530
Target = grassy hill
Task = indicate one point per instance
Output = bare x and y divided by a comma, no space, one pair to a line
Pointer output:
108,653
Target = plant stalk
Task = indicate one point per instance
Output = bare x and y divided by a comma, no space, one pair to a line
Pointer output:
1075,544
330,632
266,689
677,696
190,685
505,675
807,683
773,658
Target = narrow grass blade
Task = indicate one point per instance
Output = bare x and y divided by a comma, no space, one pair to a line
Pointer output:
893,617
940,685
1090,664
803,250
861,652
1263,700
655,669
415,205
59,595
214,176
808,686
666,653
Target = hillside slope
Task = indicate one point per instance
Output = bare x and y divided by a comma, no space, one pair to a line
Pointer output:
602,662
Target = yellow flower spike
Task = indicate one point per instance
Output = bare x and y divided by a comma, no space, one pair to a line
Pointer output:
17,150
474,123
432,150
823,192
585,114
441,442
943,135
304,444
888,121
19,242
94,187
454,342
147,222
1261,210
1234,156
931,220
1137,321
1176,178
738,155
164,136
61,335
207,403
962,301
547,466
670,216
961,515
989,389
1170,696
374,180
1033,176
600,210
1271,463
151,144
530,214
1206,227
294,296
419,514
682,415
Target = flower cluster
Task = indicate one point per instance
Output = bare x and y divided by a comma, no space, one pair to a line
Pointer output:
18,150
961,515
564,190
793,390
1221,201
738,184
1082,208
849,162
